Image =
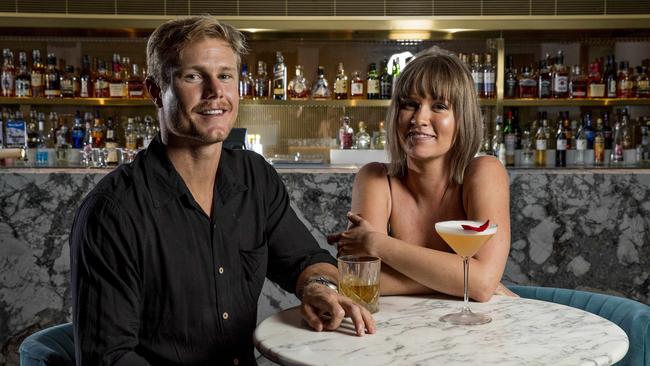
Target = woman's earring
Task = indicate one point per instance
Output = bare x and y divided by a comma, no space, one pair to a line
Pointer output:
412,121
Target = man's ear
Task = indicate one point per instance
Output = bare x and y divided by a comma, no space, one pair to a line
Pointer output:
154,91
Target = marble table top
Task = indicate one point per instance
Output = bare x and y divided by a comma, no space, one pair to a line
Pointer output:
522,332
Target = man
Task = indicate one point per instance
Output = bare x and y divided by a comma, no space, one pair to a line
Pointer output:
169,253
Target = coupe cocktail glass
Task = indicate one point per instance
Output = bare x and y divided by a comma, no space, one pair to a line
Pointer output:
465,243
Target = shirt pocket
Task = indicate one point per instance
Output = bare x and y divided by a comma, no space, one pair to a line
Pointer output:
254,264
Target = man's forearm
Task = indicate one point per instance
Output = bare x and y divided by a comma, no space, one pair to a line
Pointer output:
318,269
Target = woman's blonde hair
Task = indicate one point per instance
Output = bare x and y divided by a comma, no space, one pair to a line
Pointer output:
170,38
442,76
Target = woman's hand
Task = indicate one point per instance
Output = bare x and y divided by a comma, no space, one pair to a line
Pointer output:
359,238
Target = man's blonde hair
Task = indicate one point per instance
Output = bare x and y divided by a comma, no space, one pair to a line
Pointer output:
442,76
170,38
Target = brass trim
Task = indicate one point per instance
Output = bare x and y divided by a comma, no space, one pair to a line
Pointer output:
598,102
404,24
95,102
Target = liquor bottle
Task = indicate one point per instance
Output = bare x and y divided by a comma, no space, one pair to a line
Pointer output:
589,131
101,87
279,77
340,83
568,132
52,78
477,73
262,82
625,84
130,135
69,83
644,147
510,140
139,132
486,145
111,143
578,83
385,82
125,70
53,121
98,132
541,142
135,83
498,143
626,130
617,155
607,131
380,138
510,82
356,86
116,84
527,84
246,84
599,144
642,83
78,132
581,146
23,78
395,72
362,138
37,75
489,78
299,88
544,79
32,130
526,148
372,82
610,78
321,88
149,131
85,79
560,146
560,80
346,134
8,76
596,86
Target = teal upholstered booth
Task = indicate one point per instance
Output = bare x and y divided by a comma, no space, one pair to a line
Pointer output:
52,346
632,316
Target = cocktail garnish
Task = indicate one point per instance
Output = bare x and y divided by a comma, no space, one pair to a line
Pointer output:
477,228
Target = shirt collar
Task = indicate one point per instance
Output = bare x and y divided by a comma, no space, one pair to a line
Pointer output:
165,184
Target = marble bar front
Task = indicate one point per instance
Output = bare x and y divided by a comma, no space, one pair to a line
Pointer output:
578,229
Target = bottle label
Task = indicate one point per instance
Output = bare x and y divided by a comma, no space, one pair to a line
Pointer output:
581,144
488,77
52,92
560,144
540,144
618,153
544,89
611,88
346,140
596,90
22,88
561,84
37,79
599,151
356,89
84,92
136,93
373,86
15,133
116,90
340,87
510,144
511,88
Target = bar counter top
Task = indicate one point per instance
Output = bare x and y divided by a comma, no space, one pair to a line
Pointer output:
574,228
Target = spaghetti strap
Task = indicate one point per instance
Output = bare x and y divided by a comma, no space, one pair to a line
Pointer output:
390,201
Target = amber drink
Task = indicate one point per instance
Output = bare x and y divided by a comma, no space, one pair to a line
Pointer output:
359,280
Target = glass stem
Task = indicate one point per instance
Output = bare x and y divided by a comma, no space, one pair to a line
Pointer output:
466,285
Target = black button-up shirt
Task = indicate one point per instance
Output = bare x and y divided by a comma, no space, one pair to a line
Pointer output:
156,281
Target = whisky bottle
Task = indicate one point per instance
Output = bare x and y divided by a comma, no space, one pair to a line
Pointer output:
372,82
23,78
52,78
299,88
541,142
380,138
362,138
560,80
130,135
589,130
116,84
578,83
544,79
135,83
599,144
498,143
624,84
38,75
607,131
642,83
85,79
510,82
32,130
321,88
644,147
527,84
489,79
346,134
510,140
617,154
8,76
385,82
125,71
477,73
560,146
245,84
101,86
69,83
626,130
98,133
262,82
279,78
111,143
356,86
610,78
340,83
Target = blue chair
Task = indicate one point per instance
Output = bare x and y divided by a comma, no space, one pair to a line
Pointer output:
632,316
52,346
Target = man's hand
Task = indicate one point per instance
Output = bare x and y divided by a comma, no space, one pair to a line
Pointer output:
324,309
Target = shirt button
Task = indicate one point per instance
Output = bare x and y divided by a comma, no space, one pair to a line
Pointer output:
225,316
235,361
220,270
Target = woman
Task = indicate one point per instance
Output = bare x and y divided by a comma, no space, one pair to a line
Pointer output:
434,130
